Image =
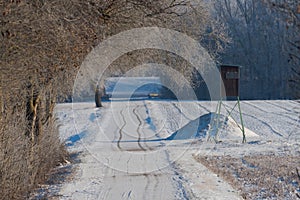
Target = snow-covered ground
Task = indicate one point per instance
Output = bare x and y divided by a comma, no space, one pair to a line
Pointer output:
146,149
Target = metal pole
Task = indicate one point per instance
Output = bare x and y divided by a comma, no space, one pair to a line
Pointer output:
242,122
218,120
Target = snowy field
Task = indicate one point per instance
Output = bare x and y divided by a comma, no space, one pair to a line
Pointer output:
146,149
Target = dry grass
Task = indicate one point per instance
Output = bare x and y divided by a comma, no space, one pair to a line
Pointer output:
24,165
259,176
55,178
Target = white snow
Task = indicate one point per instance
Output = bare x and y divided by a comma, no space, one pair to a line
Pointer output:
144,149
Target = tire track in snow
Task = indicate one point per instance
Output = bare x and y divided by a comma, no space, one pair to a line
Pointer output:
104,193
150,122
170,125
295,111
156,182
127,195
138,128
174,124
178,179
273,113
283,108
180,111
295,102
190,108
127,163
121,129
204,108
147,185
261,121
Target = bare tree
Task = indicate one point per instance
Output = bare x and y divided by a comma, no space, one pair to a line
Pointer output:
192,18
98,95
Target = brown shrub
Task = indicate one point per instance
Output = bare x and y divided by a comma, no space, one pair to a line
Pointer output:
24,163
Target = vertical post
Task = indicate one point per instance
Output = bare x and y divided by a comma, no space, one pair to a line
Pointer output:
214,126
218,119
242,122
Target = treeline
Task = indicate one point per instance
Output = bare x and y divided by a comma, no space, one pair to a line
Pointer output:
265,38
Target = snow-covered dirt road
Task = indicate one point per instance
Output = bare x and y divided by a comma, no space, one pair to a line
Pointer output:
144,149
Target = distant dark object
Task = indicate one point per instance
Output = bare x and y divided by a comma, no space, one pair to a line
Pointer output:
98,94
230,75
153,95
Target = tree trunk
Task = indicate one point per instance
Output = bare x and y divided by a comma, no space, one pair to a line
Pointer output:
98,95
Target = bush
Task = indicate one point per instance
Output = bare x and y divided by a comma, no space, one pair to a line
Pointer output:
25,163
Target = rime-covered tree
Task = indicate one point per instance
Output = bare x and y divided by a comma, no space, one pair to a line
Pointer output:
289,12
261,43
